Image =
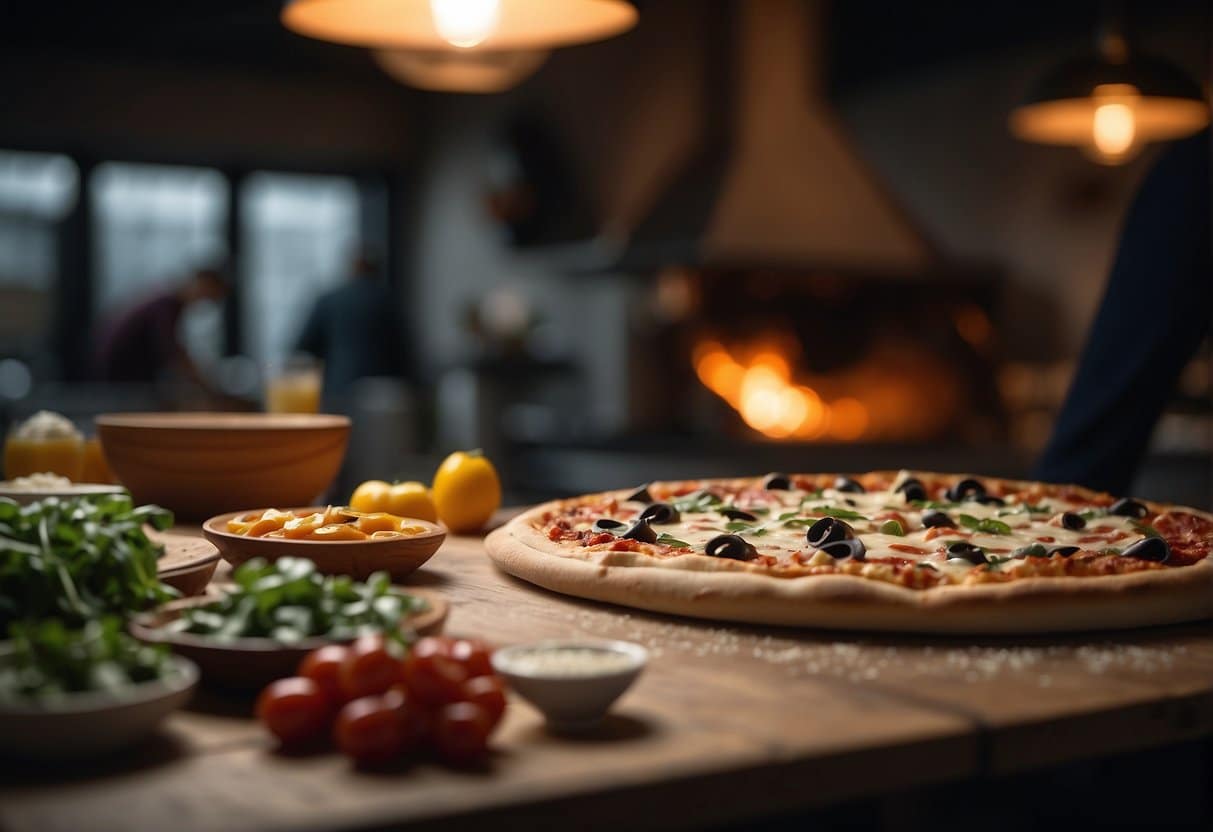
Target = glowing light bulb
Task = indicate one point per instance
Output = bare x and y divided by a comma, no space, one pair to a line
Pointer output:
1113,129
465,23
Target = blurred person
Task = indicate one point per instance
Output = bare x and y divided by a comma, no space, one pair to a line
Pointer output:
1154,315
141,344
353,329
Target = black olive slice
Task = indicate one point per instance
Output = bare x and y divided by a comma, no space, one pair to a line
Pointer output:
1063,550
1128,507
640,495
660,513
913,489
606,524
777,482
738,514
642,531
851,548
828,530
848,486
729,546
991,500
1150,548
935,517
967,489
1073,522
967,551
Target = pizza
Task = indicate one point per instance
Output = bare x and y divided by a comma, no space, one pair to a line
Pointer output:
887,550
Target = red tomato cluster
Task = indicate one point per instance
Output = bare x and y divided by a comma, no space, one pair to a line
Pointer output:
378,706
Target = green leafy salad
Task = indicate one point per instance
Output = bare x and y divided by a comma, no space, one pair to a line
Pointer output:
78,559
288,601
45,661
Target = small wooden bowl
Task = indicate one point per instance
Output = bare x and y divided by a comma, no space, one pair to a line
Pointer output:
359,558
249,663
199,464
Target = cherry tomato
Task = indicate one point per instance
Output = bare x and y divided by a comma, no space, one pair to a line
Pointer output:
294,710
323,666
434,679
461,732
415,719
474,655
369,668
432,646
489,693
369,731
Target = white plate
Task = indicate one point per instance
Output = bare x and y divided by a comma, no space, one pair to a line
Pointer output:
84,489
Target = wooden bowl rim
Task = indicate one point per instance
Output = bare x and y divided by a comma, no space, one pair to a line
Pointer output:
213,527
144,626
219,422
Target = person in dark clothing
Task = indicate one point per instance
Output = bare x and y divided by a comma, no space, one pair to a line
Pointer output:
141,345
353,330
1154,315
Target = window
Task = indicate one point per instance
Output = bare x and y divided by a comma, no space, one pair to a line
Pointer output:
37,190
153,224
299,234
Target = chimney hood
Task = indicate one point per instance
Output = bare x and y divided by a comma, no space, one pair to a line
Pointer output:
775,181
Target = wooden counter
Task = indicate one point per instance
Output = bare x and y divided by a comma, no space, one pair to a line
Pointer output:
727,723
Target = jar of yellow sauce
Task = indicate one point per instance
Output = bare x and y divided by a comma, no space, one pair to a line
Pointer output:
45,443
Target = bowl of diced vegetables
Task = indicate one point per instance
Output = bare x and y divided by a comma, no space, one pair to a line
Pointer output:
273,613
71,693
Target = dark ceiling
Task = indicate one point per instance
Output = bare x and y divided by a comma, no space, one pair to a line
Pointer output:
869,40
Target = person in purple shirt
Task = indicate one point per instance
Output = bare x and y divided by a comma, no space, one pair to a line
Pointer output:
141,344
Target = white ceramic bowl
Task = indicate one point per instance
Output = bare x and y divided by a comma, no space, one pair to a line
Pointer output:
94,723
559,677
84,489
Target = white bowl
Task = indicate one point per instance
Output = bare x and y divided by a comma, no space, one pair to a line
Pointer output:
84,489
93,723
576,696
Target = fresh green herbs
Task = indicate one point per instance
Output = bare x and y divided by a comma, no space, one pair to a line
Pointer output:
47,660
78,559
932,504
892,527
288,601
834,511
1032,550
697,501
1146,529
737,526
987,525
669,540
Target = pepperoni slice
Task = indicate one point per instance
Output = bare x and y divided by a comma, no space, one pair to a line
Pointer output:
1189,535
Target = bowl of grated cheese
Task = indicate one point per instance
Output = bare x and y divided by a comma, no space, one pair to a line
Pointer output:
572,682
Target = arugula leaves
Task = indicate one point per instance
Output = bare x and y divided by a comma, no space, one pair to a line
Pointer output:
288,600
669,540
49,660
987,525
697,501
78,559
892,527
834,511
1146,529
742,526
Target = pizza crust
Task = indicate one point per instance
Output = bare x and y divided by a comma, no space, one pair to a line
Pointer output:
847,602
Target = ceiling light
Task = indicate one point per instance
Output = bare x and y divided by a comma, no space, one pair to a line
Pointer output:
1112,104
469,71
492,25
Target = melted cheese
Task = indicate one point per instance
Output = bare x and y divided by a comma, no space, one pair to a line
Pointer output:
784,516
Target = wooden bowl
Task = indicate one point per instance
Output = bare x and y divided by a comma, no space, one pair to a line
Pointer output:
359,558
199,464
94,723
249,663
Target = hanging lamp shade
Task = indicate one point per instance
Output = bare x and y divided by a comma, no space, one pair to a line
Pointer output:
473,71
491,25
1111,105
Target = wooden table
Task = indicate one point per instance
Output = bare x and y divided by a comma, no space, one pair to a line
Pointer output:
727,723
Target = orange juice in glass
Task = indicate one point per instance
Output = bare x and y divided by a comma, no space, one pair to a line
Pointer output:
294,387
45,443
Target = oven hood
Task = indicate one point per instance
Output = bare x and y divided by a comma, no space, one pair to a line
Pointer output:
775,180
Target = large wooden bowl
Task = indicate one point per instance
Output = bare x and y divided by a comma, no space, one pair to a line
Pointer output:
397,556
200,464
248,663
